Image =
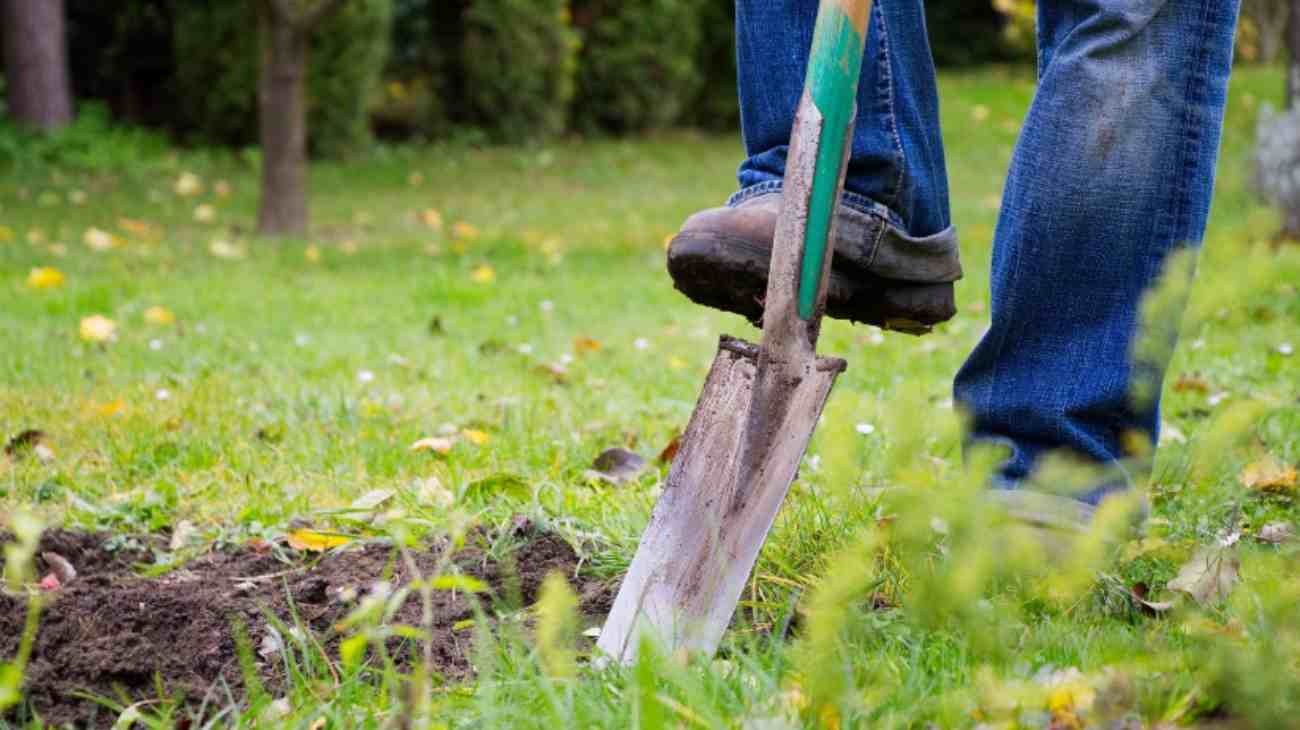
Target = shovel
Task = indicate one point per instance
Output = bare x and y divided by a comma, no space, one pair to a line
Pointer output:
760,403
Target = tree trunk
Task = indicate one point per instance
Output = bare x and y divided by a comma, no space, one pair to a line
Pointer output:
282,110
1293,56
36,63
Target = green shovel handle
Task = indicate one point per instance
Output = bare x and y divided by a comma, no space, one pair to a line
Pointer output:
832,82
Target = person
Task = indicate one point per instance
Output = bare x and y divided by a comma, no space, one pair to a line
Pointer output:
1112,174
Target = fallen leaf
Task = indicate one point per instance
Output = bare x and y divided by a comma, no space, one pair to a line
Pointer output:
1139,592
1275,533
222,189
159,315
617,465
1209,576
1191,383
28,439
59,566
478,438
979,113
465,231
115,407
1269,475
670,451
182,534
676,363
188,185
466,583
436,444
45,277
205,213
586,345
140,229
98,328
432,219
483,274
555,370
312,254
312,541
431,491
224,249
373,499
99,240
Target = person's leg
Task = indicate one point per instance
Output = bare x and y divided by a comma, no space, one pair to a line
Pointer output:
1112,174
897,167
895,249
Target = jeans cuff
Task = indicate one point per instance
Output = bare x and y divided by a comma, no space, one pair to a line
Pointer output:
878,239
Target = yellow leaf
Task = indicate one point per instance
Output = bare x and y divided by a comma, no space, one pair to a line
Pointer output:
676,363
100,240
979,113
45,277
484,274
188,185
465,231
466,583
36,236
222,189
115,407
349,247
586,344
313,541
436,444
98,328
1269,475
432,219
224,249
205,213
6,234
312,254
478,438
159,315
139,229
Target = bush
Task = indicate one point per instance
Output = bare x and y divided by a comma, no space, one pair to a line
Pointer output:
638,68
217,67
518,61
717,105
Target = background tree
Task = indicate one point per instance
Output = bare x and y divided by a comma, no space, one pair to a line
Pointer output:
36,62
282,110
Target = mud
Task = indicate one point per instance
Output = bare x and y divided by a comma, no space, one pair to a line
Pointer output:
111,633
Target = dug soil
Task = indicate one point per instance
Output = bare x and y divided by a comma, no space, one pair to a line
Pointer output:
110,633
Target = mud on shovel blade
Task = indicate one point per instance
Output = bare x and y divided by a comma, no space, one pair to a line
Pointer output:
760,404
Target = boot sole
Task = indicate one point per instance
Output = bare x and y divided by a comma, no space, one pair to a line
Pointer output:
731,274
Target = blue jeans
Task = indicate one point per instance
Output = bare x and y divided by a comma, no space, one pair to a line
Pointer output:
1113,172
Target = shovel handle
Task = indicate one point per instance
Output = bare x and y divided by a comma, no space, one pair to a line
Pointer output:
832,83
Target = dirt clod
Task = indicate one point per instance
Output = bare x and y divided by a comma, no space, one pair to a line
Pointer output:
110,632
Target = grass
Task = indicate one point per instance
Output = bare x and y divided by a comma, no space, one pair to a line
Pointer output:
297,373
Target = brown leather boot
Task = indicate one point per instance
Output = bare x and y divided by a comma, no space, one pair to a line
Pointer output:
879,276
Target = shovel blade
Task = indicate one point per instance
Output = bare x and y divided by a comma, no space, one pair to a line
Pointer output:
739,455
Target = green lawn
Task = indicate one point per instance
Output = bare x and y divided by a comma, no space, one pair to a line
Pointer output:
535,314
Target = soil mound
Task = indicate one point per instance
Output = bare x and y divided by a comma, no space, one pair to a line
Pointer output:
109,632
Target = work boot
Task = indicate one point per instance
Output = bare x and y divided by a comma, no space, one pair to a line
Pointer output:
878,276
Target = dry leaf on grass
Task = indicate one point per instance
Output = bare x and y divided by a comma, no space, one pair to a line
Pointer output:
313,541
437,444
478,438
670,451
45,277
617,465
98,328
1269,475
1275,533
1191,383
1209,576
583,345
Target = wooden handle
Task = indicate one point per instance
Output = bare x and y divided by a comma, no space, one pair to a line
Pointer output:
820,144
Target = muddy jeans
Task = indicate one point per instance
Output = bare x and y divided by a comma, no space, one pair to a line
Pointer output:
1113,172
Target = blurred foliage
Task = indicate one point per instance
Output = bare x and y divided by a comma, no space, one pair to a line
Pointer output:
93,142
518,59
192,67
639,69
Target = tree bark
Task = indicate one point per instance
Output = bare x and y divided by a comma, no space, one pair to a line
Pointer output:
1293,56
282,111
36,63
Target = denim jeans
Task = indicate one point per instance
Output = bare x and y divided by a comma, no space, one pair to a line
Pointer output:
1113,172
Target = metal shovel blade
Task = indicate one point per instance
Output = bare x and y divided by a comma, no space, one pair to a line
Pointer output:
739,455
